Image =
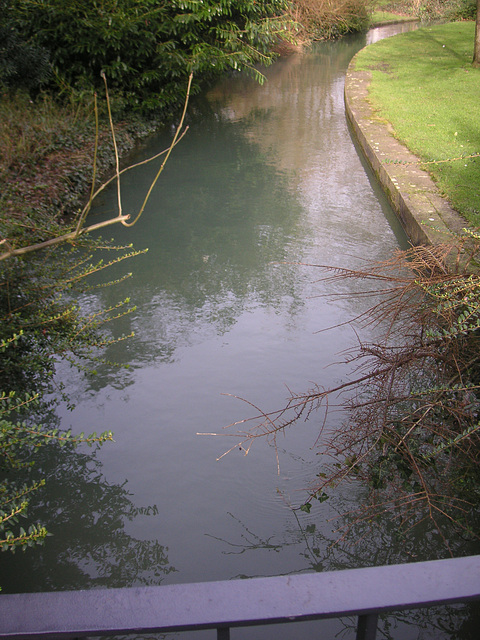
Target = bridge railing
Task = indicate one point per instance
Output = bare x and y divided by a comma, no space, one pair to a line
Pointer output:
221,606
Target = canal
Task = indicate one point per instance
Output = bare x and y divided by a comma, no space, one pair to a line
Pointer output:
266,183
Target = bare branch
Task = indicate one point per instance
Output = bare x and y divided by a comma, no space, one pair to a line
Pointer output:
413,407
80,229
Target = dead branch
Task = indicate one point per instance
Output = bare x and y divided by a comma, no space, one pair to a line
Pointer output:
80,228
413,406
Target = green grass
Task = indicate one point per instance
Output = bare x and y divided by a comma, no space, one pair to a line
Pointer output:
423,83
384,17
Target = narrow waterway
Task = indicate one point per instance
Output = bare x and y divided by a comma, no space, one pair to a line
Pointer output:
266,178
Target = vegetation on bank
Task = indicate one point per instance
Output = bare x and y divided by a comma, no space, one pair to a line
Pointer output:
46,156
385,11
424,85
324,19
146,48
52,58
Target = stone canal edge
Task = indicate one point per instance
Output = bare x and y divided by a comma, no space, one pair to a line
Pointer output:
426,217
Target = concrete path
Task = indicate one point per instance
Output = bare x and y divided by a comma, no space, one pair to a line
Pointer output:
426,217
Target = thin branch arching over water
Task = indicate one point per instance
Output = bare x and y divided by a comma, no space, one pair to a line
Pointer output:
79,227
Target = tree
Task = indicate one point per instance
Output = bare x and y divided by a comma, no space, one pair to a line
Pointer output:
147,48
21,64
476,49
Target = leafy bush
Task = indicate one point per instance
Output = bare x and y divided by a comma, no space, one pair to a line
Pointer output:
21,63
147,48
39,319
18,441
431,9
462,10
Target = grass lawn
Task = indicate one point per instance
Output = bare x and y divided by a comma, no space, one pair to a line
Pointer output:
385,17
423,83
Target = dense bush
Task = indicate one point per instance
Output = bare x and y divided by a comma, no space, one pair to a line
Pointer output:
463,10
433,9
21,63
147,48
324,19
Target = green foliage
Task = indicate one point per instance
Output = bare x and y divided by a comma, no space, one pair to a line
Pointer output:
22,64
429,9
40,322
445,9
18,442
463,10
455,302
414,433
147,48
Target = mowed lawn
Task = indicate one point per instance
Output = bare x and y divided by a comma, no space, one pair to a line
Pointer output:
424,84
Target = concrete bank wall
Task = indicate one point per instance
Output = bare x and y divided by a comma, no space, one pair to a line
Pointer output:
426,217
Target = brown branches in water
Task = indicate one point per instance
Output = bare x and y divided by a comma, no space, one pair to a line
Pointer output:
413,431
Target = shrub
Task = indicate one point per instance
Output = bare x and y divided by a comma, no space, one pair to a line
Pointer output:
324,19
147,48
21,64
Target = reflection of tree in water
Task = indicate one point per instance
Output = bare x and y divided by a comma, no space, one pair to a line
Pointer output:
322,551
222,214
94,548
249,541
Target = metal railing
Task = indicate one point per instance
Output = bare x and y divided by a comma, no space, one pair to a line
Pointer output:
365,593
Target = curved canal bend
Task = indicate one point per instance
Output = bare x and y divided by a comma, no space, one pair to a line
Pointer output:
265,176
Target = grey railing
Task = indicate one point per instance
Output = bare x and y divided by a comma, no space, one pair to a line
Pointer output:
365,593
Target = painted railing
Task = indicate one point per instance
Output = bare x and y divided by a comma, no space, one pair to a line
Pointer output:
365,593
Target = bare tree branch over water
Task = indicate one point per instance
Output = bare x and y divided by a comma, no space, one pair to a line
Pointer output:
413,400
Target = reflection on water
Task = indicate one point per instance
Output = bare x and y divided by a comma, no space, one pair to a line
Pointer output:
266,178
88,517
388,30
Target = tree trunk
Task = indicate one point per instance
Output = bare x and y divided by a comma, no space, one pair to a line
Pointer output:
476,49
